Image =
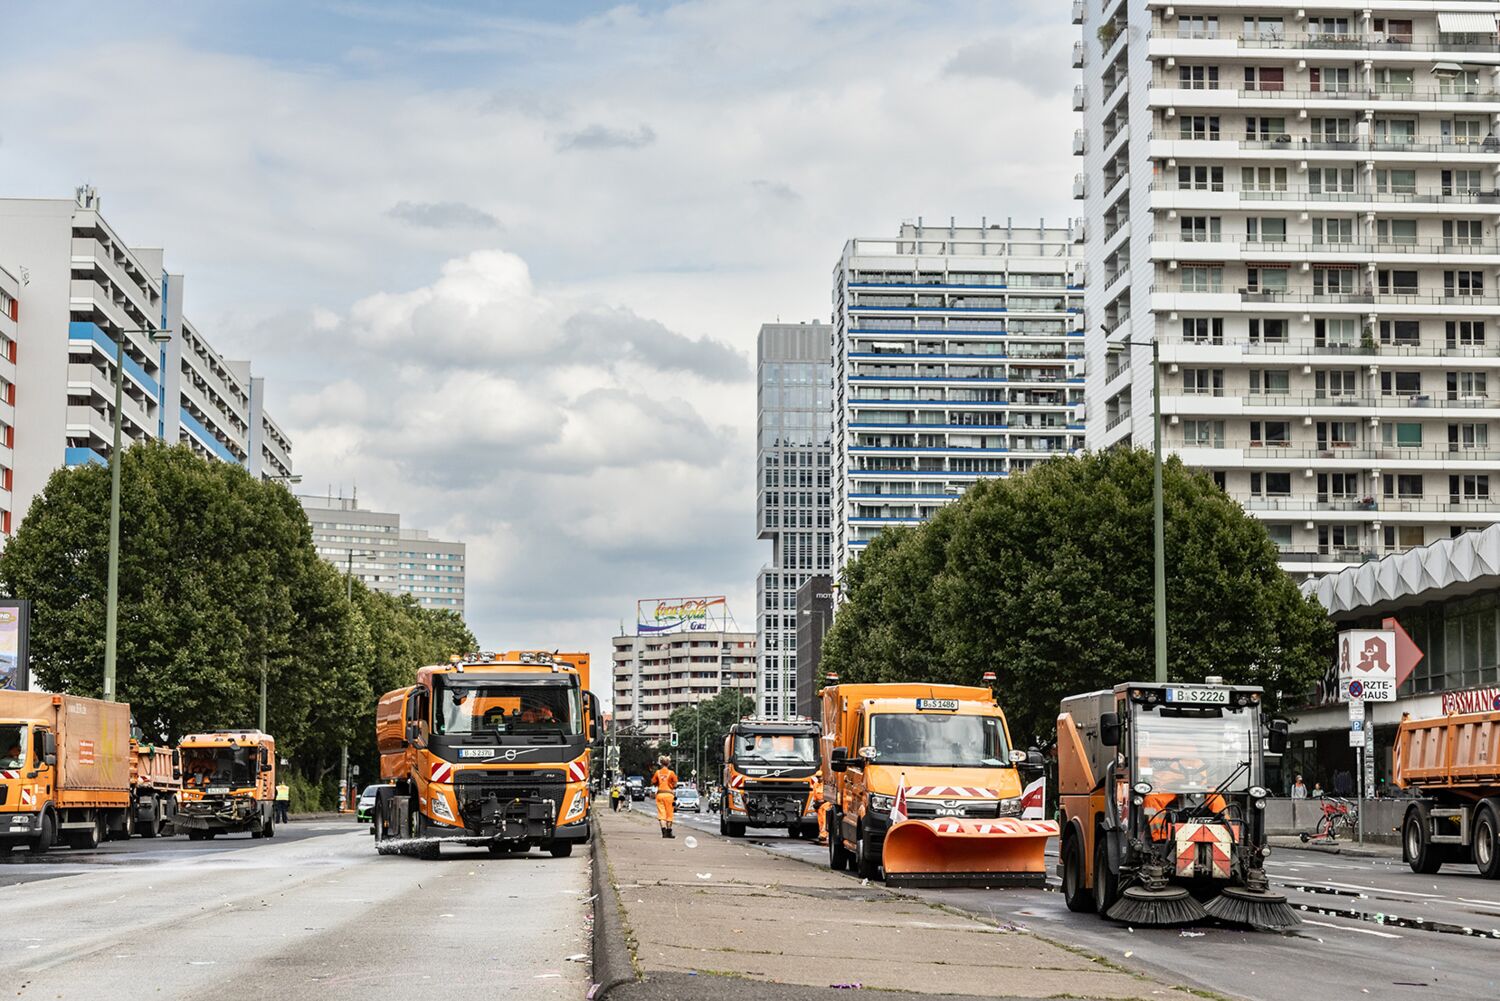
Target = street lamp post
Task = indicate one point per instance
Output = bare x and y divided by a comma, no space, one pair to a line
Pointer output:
112,601
1159,601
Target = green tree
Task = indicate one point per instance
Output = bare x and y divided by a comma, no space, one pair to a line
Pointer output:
1045,578
701,729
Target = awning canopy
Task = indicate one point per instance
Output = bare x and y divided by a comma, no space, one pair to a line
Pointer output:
1465,23
1447,69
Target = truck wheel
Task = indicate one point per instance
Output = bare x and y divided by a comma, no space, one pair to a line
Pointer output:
838,855
89,838
560,849
1106,883
1075,894
1487,842
734,828
271,828
45,836
1420,853
150,828
866,862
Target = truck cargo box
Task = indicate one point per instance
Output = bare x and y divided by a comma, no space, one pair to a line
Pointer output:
1449,752
93,738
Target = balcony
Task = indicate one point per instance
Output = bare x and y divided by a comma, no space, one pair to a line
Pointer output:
1170,91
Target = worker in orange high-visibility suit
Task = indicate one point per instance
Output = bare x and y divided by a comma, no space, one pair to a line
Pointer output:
821,805
665,781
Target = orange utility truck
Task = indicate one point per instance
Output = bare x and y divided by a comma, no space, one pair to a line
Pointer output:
155,784
769,766
65,770
490,750
228,784
1163,798
1453,764
942,755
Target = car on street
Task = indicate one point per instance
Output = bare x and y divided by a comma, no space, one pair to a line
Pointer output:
363,810
686,798
636,786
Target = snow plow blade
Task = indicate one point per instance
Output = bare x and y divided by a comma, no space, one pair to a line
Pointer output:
983,853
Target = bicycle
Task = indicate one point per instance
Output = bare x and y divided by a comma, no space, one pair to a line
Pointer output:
1339,815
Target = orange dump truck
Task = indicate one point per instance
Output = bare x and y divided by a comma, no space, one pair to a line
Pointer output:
769,765
65,770
491,751
943,750
1453,762
156,783
228,784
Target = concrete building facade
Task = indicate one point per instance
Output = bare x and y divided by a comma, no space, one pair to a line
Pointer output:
793,497
653,675
958,354
1297,201
815,608
85,289
10,305
373,548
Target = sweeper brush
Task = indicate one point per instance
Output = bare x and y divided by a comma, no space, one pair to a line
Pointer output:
1259,909
1171,905
984,853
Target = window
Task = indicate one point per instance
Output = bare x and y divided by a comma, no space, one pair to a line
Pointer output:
1333,230
1332,130
1466,386
1468,488
1271,484
1335,26
1266,278
1202,278
1334,487
1265,129
1280,534
1395,132
1198,77
1402,537
1463,232
1275,382
1329,79
1400,332
1203,381
1463,283
1198,127
1268,330
1200,229
1462,182
1394,30
1272,434
1337,434
1337,539
1203,330
1265,230
1264,27
1264,178
1198,26
1338,382
1265,78
1464,131
1393,282
1401,435
1402,486
1331,180
1400,383
1465,333
1201,178
1333,281
1335,332
1401,232
1209,434
1466,436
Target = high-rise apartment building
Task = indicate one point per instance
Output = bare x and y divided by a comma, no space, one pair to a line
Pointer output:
85,289
958,354
373,548
1298,201
793,508
689,659
10,305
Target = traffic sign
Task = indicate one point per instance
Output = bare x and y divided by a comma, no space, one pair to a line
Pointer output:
1356,738
1356,707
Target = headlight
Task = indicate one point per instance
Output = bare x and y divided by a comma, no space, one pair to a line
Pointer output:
1258,792
1138,800
1142,788
1010,807
575,809
882,804
1260,804
439,806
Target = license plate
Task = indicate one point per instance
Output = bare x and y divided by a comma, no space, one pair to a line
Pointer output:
1199,696
216,791
946,705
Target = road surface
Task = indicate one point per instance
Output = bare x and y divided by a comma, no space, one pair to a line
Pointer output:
1373,928
313,912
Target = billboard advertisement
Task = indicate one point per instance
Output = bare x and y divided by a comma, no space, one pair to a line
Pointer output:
654,616
15,620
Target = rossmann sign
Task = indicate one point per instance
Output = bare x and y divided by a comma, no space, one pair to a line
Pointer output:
1474,700
680,615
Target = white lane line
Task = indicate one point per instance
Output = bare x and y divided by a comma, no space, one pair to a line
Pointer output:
1362,931
1377,889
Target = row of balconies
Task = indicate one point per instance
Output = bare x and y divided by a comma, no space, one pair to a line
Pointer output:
1204,140
1288,350
1212,40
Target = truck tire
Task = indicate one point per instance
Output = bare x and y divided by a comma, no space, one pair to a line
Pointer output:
1106,882
866,862
44,837
1076,894
839,858
1416,846
560,849
1487,842
88,838
734,828
271,828
150,828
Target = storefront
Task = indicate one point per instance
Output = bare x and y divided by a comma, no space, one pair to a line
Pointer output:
1446,596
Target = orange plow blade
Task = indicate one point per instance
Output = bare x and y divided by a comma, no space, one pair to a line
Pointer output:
1003,852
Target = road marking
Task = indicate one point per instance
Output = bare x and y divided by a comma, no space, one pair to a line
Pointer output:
1378,889
1362,931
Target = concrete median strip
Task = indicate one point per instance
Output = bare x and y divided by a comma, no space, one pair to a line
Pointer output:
764,917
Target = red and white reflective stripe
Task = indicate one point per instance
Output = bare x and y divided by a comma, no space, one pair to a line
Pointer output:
442,771
578,771
10,775
951,792
736,781
949,827
28,796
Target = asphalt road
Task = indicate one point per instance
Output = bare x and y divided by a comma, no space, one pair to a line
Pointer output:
1372,928
313,912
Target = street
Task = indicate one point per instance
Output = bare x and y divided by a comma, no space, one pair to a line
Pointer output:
312,913
1371,927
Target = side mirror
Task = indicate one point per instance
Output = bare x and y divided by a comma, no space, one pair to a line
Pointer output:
1035,757
1017,756
1276,740
265,766
413,732
177,774
838,759
1109,729
49,759
49,748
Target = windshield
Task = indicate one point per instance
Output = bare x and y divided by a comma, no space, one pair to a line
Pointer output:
1181,751
12,745
783,749
473,708
936,739
218,766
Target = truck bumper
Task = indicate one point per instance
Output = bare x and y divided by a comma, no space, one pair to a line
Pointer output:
231,818
19,826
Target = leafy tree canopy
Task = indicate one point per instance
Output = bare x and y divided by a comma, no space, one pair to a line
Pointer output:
1045,578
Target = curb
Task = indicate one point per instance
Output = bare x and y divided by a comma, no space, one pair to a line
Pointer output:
612,966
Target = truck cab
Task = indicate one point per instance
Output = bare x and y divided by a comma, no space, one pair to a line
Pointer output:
769,767
487,751
28,760
228,784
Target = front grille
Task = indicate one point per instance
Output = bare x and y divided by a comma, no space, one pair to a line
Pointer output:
474,787
930,808
776,789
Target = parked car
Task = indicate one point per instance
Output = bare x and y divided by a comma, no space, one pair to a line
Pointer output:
686,798
362,809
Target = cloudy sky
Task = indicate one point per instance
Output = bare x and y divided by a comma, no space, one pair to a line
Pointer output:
503,262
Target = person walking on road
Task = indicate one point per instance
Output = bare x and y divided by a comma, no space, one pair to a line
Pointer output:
820,804
1299,789
614,797
665,781
283,803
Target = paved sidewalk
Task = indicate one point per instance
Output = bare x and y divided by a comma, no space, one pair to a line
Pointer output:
726,909
1370,849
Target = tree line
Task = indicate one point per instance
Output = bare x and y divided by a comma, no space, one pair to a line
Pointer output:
219,579
1046,578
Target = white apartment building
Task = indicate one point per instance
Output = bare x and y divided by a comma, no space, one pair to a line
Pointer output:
85,288
1298,201
10,304
793,496
373,548
958,354
657,674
